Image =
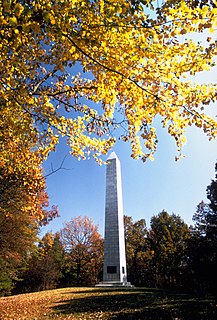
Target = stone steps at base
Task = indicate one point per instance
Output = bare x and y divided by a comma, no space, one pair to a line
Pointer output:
114,284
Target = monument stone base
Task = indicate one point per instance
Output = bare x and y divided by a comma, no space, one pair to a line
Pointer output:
113,284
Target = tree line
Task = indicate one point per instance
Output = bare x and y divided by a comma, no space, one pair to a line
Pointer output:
168,254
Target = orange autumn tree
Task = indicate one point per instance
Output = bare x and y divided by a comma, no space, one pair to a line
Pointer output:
23,197
57,57
83,251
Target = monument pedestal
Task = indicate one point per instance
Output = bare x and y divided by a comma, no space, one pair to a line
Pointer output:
113,284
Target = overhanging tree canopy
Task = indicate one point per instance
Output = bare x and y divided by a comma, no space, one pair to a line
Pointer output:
132,62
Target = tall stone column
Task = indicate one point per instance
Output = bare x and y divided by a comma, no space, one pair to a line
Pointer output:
114,272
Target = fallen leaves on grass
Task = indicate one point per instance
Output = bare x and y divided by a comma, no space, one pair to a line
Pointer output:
25,306
106,304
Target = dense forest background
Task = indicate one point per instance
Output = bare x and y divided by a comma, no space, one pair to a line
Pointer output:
170,254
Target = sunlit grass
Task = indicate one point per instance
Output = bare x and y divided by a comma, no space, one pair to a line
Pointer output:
103,303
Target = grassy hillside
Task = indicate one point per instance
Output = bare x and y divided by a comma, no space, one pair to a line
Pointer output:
99,303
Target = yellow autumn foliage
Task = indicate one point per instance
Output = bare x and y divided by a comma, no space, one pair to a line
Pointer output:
82,69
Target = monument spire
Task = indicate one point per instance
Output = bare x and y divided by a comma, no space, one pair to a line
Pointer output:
114,271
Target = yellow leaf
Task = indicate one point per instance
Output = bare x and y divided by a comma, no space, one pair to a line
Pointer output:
18,9
13,21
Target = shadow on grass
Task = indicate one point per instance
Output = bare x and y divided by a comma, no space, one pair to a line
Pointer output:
136,304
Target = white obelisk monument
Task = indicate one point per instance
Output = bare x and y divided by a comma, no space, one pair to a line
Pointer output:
114,271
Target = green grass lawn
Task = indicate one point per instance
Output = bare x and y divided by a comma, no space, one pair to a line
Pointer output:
103,303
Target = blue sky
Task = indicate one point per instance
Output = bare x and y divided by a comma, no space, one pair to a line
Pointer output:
148,188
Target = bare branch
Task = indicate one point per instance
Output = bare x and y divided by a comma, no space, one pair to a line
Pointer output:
58,169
